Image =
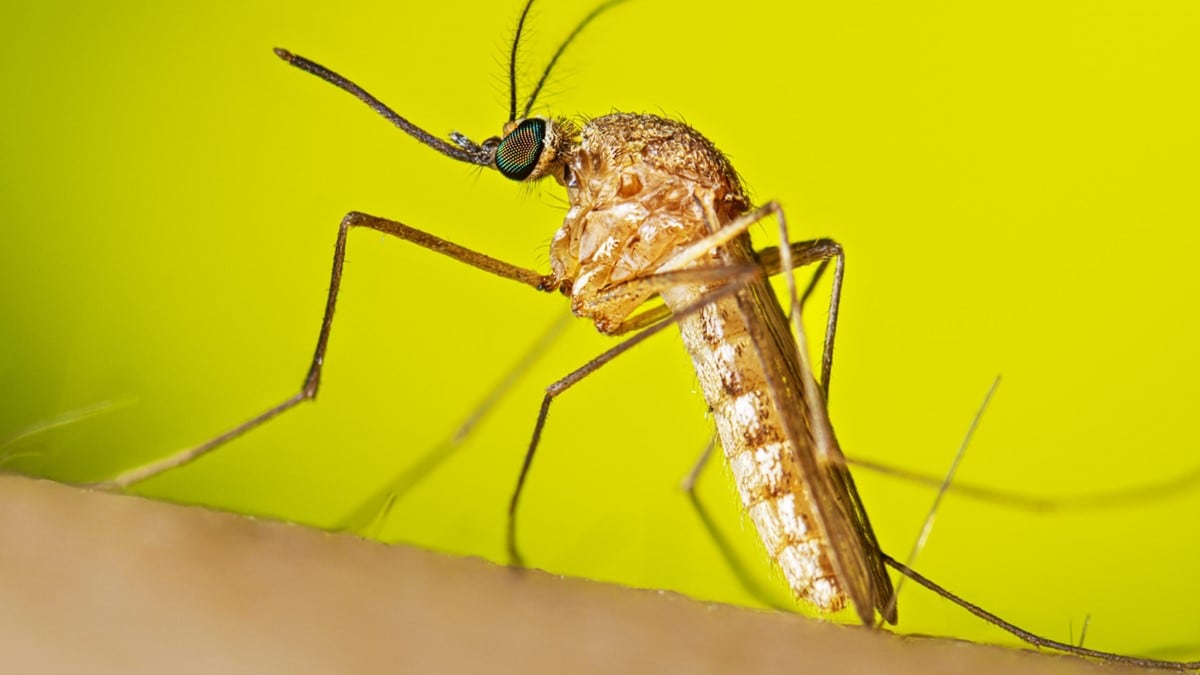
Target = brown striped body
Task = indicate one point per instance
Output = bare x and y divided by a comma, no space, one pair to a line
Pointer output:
760,455
642,189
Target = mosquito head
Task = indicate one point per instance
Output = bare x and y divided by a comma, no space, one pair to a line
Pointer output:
529,147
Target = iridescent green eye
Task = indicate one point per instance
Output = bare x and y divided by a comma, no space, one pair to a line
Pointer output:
518,152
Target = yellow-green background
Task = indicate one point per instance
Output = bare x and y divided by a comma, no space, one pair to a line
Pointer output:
1015,184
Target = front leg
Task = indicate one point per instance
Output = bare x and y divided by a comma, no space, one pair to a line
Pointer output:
312,380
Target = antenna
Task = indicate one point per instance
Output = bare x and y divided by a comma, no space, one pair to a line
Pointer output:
512,65
463,151
561,48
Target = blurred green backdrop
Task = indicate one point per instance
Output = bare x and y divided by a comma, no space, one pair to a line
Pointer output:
1015,184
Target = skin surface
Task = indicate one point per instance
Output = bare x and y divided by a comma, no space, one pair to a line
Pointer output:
100,583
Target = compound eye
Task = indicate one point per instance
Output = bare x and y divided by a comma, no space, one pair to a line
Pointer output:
518,152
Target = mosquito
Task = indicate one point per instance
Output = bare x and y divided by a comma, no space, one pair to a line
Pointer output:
657,235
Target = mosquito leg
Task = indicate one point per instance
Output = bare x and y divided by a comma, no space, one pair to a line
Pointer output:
747,580
737,278
805,253
374,510
1147,493
308,390
1087,619
824,250
689,481
927,526
1035,640
552,392
9,446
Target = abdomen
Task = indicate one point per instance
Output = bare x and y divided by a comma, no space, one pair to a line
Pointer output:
729,366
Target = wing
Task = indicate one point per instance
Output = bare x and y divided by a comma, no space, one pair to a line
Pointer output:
849,540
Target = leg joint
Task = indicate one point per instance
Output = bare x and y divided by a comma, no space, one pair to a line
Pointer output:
354,219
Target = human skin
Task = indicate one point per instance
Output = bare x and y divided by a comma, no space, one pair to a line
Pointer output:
104,583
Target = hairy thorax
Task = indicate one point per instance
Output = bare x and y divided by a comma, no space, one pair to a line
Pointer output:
641,189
